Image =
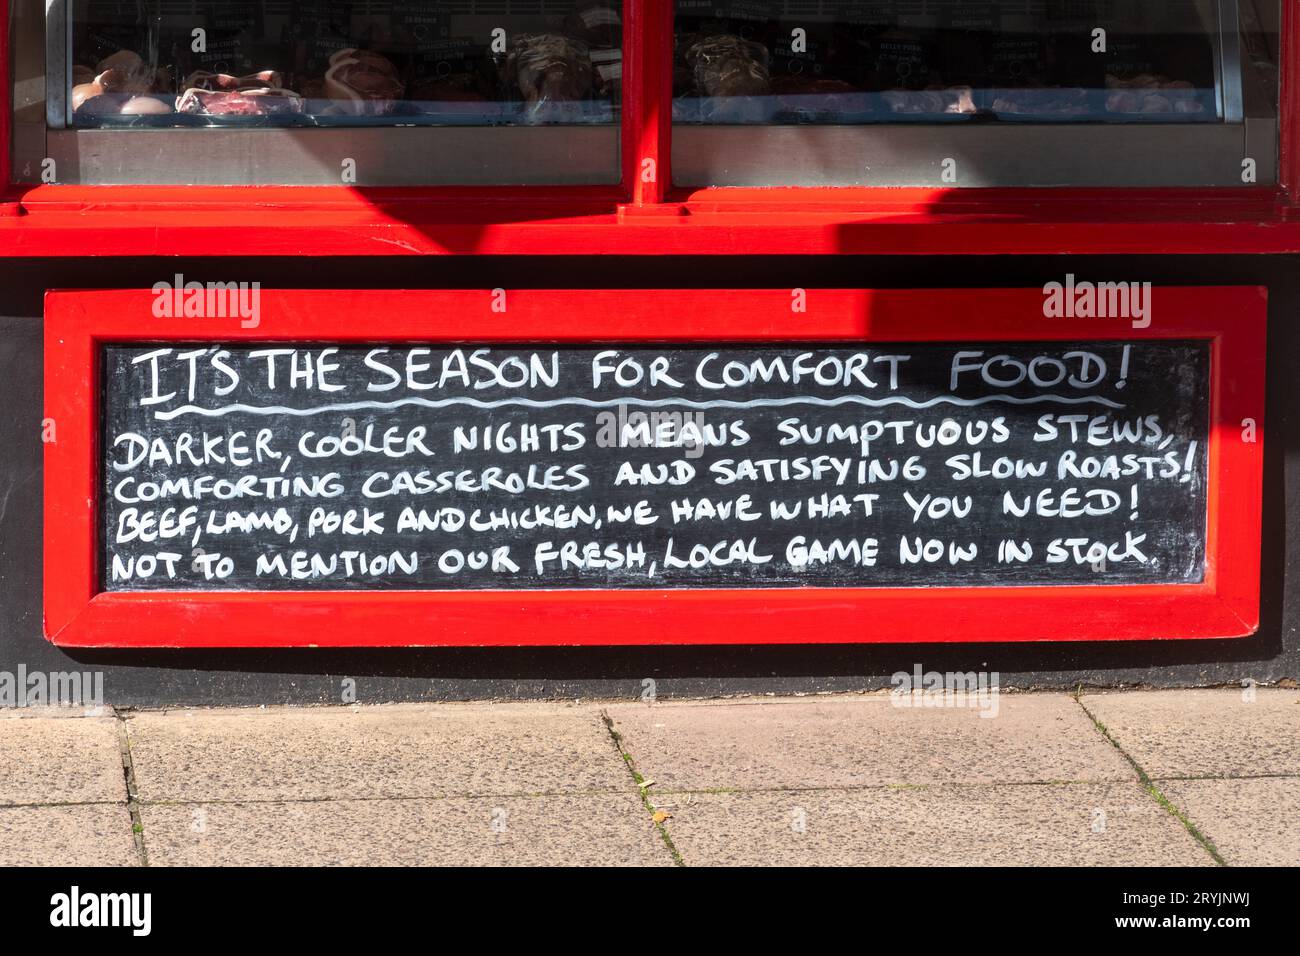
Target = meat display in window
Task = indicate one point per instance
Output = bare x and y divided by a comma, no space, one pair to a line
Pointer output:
363,83
1047,101
267,101
116,80
950,100
221,94
726,65
110,81
816,98
422,62
1148,93
145,105
115,92
728,76
551,72
203,80
130,70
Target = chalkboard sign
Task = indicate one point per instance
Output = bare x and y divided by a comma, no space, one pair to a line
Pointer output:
271,467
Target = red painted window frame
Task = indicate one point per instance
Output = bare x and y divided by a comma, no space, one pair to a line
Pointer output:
649,216
1226,604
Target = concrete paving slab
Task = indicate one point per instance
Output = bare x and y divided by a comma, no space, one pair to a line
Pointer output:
416,750
1251,822
1018,825
1205,733
55,758
87,835
605,830
863,741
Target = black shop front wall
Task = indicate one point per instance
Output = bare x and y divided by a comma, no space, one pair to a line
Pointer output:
139,678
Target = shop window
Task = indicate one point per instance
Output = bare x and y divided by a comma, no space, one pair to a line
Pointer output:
326,91
950,92
929,93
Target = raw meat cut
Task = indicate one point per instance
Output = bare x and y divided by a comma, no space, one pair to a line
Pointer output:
954,99
726,65
260,102
203,80
551,72
1042,102
363,82
1147,93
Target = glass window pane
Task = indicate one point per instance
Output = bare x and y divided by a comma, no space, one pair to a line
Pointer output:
954,64
306,65
333,62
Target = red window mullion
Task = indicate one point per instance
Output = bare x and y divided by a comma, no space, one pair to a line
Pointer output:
6,100
1289,102
647,99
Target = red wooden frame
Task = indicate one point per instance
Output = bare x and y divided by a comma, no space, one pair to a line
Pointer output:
6,104
1226,604
1289,102
649,217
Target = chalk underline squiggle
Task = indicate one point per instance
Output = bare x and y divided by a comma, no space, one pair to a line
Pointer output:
638,402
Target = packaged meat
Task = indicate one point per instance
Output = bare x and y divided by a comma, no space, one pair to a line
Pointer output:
92,108
1147,93
936,101
730,76
726,65
134,76
203,80
804,99
363,82
122,87
145,105
551,72
268,101
1043,102
419,62
83,92
109,81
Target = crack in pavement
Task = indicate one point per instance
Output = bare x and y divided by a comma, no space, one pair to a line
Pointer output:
132,792
642,791
1149,786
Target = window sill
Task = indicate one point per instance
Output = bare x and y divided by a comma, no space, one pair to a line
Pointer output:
58,221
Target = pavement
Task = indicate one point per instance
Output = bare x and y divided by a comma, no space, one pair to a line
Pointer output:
1177,777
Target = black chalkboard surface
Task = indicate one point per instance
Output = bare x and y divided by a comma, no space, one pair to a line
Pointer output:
319,467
